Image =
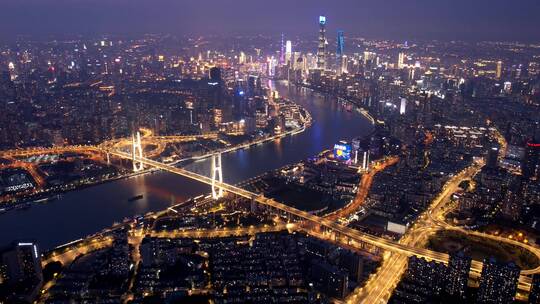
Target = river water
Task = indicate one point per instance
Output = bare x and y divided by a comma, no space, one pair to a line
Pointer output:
86,211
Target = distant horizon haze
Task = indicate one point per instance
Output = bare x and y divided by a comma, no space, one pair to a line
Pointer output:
476,20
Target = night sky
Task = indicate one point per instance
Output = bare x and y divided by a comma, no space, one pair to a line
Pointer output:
396,19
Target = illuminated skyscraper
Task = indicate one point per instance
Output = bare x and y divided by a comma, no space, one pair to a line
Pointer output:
288,52
20,263
531,161
403,106
499,69
321,51
401,60
282,51
529,166
340,52
340,44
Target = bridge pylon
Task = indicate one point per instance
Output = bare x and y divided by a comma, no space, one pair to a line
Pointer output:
137,152
217,172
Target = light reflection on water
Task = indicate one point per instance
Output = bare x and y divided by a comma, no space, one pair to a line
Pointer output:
89,210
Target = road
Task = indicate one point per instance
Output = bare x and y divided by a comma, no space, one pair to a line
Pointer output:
363,190
429,223
394,265
316,223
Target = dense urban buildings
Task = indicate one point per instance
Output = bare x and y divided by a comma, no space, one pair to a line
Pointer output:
320,168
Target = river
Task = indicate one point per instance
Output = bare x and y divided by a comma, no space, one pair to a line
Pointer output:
86,211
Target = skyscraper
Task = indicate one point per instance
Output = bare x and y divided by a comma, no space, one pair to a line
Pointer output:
403,106
21,264
401,60
499,70
340,43
492,158
288,52
459,267
321,50
531,161
340,52
215,74
498,282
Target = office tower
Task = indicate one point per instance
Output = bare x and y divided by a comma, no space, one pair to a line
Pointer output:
498,282
344,68
215,74
401,60
499,70
459,267
492,158
529,165
340,52
288,52
403,106
534,294
252,84
340,44
321,50
20,263
272,64
242,58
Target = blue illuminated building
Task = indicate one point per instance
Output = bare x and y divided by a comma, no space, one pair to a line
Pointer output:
340,44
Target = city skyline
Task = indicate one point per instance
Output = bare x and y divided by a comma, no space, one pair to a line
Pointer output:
140,167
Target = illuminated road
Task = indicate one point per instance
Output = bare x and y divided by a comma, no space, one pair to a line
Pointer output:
363,190
380,287
69,253
223,232
315,223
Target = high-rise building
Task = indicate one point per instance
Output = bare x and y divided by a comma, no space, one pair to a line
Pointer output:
340,44
20,263
492,158
403,106
340,56
401,60
529,166
459,267
288,52
242,58
498,72
215,74
343,65
272,63
498,282
321,50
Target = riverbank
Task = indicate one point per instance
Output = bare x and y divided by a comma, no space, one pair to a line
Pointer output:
47,195
360,109
84,212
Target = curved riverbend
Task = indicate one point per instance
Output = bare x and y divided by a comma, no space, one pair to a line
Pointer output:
86,211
